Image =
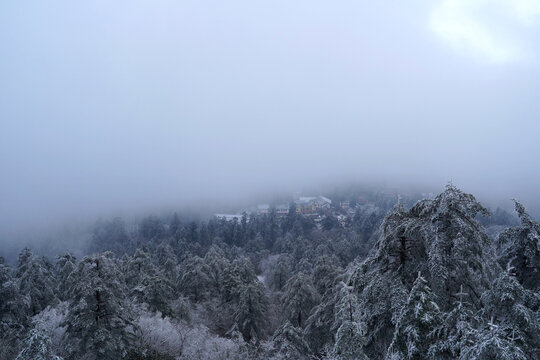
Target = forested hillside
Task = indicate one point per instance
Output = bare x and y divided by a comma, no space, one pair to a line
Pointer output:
429,281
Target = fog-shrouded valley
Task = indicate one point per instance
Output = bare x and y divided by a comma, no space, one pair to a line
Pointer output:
286,180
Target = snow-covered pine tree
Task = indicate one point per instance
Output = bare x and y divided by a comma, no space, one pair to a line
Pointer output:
99,322
23,262
235,277
457,330
520,249
299,297
513,309
36,281
438,237
195,278
325,272
37,346
319,329
350,341
217,261
155,291
442,239
244,268
381,297
281,273
351,331
166,260
231,284
289,343
414,328
491,342
138,267
347,307
251,312
146,284
12,309
65,265
13,313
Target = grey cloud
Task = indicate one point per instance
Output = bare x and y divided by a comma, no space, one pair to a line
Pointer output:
110,106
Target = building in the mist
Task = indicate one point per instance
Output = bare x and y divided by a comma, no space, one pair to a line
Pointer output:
263,209
229,217
312,204
307,205
345,205
282,210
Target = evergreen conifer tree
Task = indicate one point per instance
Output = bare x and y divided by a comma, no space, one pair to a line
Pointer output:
299,297
289,343
36,281
99,323
251,313
351,331
13,313
513,308
414,328
37,346
65,265
520,249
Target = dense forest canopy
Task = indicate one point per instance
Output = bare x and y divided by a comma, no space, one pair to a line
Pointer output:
439,278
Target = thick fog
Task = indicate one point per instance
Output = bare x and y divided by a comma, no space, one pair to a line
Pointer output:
118,106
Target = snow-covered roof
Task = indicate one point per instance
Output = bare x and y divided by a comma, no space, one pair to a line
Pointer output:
303,200
325,199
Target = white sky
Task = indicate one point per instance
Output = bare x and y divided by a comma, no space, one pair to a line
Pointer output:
116,105
500,31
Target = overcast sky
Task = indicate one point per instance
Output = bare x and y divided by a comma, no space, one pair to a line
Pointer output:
116,105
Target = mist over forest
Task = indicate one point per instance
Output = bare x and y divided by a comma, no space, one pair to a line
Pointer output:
305,180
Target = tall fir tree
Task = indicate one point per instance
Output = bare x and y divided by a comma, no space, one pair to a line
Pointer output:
138,267
351,331
99,324
281,273
491,342
13,313
438,237
514,309
195,278
37,346
65,265
166,260
251,313
155,291
457,330
299,297
519,248
289,343
36,282
414,328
